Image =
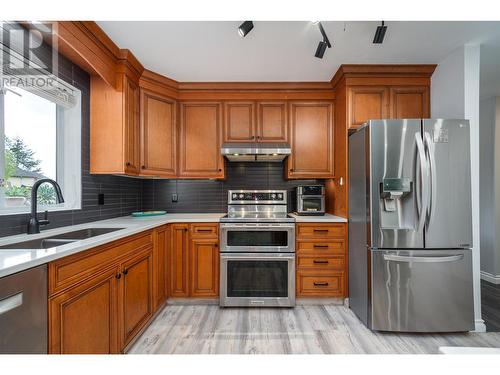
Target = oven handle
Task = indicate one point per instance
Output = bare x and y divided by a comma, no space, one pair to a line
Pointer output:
256,225
254,256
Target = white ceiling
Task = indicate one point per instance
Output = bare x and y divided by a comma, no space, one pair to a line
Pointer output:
284,51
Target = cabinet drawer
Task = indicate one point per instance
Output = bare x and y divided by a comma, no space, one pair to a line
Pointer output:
320,230
320,262
330,247
73,269
204,230
320,284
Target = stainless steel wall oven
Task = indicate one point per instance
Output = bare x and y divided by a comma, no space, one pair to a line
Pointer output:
257,258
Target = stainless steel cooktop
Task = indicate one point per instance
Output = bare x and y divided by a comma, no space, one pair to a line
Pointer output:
257,206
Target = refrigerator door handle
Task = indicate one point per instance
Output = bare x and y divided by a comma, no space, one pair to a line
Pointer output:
432,164
424,189
422,259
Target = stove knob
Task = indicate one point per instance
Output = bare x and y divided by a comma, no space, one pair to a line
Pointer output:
280,196
241,196
273,196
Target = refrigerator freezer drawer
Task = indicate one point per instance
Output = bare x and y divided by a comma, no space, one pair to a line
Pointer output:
422,290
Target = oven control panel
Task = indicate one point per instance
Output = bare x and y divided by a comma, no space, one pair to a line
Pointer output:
269,196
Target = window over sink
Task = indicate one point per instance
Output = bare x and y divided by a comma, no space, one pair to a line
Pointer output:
40,137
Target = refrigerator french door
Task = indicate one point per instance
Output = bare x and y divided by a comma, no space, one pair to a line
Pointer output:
410,231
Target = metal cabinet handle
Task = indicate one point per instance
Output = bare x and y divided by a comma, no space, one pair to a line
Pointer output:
320,230
320,284
118,275
11,302
320,261
125,271
420,259
204,230
321,246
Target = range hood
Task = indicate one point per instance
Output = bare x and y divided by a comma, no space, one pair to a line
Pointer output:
256,151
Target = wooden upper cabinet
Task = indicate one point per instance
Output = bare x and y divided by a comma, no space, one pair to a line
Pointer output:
409,102
114,127
272,124
132,131
239,122
200,140
158,135
204,258
311,135
367,103
136,294
178,260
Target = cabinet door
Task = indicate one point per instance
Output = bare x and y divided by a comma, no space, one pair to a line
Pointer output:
160,251
158,135
409,102
200,140
204,256
136,294
311,126
239,124
178,261
82,320
131,92
366,103
272,125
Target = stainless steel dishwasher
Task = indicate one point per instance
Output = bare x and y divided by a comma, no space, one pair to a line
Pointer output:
23,312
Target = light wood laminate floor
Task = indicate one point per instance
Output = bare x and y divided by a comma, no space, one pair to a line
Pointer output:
204,329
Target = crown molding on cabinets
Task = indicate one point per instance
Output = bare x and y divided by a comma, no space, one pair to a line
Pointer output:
87,45
386,74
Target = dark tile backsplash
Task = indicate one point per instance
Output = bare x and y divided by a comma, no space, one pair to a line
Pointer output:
211,195
123,195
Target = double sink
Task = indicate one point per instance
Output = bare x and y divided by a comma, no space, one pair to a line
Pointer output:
60,239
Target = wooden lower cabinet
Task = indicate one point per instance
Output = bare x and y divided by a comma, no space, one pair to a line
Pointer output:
321,260
136,294
204,254
320,283
83,319
194,260
95,309
178,261
160,260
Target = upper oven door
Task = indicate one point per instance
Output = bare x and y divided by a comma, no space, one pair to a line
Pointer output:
257,237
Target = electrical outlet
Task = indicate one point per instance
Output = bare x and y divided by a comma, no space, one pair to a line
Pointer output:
100,199
174,197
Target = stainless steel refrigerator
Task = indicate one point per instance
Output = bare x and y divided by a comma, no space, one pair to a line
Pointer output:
410,225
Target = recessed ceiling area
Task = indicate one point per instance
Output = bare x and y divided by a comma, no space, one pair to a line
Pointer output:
284,51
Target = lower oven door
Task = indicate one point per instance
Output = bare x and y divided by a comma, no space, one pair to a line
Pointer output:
257,279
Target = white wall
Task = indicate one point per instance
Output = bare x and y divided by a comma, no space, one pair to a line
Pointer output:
455,94
447,87
487,184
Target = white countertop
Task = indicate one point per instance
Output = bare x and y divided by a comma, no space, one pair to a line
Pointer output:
15,260
12,260
326,218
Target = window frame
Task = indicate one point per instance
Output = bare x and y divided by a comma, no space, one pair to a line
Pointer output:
68,164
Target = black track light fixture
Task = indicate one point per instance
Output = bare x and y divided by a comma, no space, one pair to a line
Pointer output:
320,51
380,34
245,28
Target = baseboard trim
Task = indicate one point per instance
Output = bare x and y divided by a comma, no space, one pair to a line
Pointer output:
486,276
479,325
